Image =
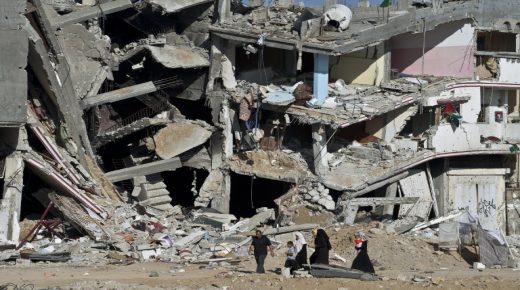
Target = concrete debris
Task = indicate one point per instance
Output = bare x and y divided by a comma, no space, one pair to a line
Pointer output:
316,193
177,6
89,57
479,266
179,57
177,138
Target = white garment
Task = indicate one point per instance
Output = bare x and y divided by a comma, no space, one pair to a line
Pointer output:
299,242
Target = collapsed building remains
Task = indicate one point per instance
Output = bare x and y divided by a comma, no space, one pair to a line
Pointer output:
139,121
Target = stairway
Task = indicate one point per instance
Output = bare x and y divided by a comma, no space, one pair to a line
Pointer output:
151,191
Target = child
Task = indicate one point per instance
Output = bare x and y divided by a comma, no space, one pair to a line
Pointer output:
291,257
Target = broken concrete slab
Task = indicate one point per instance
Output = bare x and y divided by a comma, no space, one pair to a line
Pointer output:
177,138
119,95
258,219
169,6
198,158
94,11
87,57
179,57
144,169
120,132
275,165
191,238
13,60
283,230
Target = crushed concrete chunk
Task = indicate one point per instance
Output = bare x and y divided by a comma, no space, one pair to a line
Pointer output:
177,138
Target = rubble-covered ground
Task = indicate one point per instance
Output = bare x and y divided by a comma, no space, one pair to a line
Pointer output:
401,261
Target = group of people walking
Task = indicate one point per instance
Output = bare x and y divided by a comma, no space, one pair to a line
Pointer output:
297,251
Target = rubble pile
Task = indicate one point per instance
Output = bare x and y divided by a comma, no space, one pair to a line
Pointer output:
275,20
376,154
317,196
129,234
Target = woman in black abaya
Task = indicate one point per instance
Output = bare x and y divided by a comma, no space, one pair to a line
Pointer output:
321,248
362,261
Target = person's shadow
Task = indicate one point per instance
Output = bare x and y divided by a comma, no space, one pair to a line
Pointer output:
245,271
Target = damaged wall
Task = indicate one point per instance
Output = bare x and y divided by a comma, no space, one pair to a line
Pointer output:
389,125
13,60
482,192
365,67
509,69
448,51
464,138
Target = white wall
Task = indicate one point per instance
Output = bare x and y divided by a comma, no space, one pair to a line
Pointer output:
513,132
471,109
509,70
465,137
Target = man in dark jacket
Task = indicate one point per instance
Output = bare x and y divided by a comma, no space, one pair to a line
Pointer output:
260,244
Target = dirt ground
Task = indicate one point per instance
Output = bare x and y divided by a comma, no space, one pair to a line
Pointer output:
399,260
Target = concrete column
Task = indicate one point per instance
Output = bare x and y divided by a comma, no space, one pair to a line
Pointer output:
319,146
221,201
225,120
11,193
10,205
321,77
224,10
443,197
391,191
387,52
228,64
215,62
216,142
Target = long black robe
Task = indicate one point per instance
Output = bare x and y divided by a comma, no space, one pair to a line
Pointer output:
301,257
322,248
362,261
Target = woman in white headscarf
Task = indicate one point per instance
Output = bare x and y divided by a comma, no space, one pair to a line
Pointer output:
301,248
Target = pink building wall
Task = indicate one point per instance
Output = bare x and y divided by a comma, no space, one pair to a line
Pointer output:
448,51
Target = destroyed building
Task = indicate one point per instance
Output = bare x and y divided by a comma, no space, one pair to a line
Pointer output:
407,102
118,107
